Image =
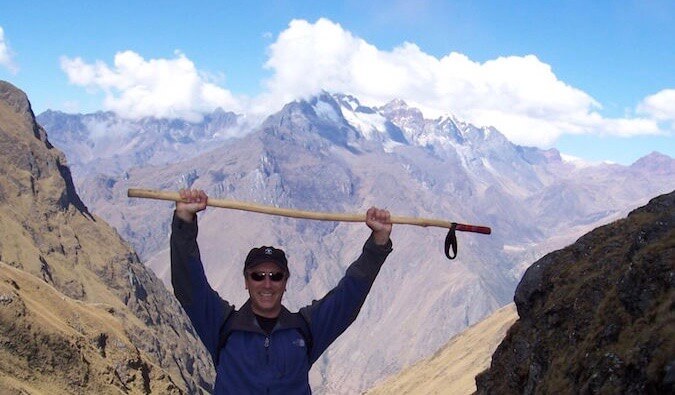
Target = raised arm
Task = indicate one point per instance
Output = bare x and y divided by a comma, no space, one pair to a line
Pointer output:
329,317
206,309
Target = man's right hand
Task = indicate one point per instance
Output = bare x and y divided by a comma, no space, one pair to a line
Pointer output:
194,201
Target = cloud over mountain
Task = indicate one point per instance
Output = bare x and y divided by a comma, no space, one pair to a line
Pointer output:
6,54
165,88
520,95
660,106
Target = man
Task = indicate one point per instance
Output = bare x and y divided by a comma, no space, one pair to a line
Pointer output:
263,347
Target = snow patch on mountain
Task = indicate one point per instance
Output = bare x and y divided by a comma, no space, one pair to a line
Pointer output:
390,145
369,124
326,111
488,166
576,161
347,101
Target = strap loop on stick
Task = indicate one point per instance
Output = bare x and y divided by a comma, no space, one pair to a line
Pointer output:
451,242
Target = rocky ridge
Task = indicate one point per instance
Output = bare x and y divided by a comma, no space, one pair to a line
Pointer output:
79,311
597,316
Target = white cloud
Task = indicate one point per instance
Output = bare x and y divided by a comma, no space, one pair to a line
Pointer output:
164,88
6,54
660,105
520,95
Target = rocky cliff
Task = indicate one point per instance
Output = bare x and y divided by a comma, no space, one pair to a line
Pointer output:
79,313
597,316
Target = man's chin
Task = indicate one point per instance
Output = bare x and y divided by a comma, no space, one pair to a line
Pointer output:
267,307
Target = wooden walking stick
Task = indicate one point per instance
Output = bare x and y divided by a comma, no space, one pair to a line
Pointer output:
450,240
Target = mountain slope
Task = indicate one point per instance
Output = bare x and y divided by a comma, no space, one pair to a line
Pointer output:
56,344
48,233
596,316
453,368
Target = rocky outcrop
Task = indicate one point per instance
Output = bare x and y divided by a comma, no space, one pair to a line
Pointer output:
49,235
597,316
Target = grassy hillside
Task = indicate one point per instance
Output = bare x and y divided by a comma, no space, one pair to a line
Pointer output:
53,344
453,368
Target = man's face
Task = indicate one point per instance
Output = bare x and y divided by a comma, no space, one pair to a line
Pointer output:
265,294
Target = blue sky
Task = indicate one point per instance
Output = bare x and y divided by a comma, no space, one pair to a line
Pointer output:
595,79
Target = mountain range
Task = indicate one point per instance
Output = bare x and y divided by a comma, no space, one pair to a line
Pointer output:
330,153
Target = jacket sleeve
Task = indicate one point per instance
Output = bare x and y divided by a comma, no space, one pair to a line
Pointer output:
329,317
206,309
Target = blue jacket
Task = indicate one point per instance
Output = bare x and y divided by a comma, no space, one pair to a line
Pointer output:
251,362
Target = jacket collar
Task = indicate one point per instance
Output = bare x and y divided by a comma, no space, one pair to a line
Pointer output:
244,319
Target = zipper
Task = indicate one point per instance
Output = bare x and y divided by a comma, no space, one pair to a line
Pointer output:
267,348
266,344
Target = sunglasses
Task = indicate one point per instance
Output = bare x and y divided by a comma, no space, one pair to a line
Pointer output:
274,276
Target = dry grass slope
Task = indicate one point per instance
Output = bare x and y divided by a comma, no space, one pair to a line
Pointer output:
56,344
453,368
